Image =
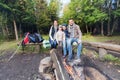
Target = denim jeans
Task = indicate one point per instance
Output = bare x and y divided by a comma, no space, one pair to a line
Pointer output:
53,43
65,47
69,46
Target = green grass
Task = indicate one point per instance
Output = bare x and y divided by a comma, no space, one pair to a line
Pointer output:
90,38
8,45
34,49
13,44
90,53
111,58
46,37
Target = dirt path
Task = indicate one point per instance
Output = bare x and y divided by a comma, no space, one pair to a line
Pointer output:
21,67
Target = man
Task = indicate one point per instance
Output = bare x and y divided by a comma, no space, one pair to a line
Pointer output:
52,33
75,36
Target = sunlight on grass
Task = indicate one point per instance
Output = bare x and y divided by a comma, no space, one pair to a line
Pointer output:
91,38
13,44
8,45
111,58
46,37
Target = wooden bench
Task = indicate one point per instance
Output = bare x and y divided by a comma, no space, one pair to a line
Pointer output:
37,46
102,48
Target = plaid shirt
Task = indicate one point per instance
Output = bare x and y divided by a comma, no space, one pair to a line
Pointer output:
74,31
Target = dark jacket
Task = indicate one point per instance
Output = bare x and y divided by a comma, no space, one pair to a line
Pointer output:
66,33
52,32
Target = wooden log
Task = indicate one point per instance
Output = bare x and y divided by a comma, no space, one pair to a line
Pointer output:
37,46
107,46
56,58
93,74
104,69
34,44
114,53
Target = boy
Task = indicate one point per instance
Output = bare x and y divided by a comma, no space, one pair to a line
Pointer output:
66,38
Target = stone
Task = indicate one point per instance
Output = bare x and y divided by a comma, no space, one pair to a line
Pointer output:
45,64
102,53
48,77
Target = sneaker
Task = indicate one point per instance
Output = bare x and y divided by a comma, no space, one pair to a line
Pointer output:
64,56
77,60
69,60
71,63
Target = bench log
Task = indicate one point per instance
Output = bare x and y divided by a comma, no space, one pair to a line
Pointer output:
60,70
38,46
107,46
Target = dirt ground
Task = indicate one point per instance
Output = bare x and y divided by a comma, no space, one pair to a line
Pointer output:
20,67
25,66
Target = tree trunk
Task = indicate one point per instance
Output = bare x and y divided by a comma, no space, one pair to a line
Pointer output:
108,28
15,28
3,31
118,3
102,30
7,30
114,26
91,30
20,31
87,28
109,16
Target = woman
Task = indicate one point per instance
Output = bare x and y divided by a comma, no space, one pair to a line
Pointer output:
52,34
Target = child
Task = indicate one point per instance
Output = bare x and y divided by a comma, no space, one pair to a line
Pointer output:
60,36
64,26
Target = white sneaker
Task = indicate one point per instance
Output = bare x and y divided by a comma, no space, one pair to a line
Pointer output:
77,60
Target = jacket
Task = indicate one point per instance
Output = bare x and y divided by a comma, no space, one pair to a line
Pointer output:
52,32
74,31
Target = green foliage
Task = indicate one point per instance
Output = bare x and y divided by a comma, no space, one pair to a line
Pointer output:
90,12
116,13
111,58
33,13
8,45
84,11
53,9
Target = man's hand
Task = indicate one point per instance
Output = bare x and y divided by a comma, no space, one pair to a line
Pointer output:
79,41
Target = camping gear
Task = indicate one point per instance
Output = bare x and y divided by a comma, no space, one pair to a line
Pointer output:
32,38
46,44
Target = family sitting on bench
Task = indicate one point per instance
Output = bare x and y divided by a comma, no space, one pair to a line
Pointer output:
64,36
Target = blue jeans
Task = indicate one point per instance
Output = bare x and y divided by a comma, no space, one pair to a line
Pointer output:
69,46
65,47
53,43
